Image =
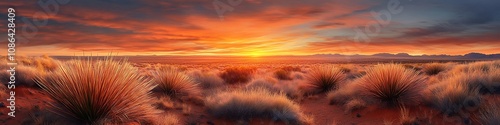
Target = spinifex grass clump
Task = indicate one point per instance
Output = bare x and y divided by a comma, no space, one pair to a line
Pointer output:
326,78
97,91
393,84
175,83
256,102
240,74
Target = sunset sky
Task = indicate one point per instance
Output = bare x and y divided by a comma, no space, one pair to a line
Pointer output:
255,27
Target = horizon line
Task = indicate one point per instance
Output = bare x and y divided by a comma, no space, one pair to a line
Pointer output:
243,55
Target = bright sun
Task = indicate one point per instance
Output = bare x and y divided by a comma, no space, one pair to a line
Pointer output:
256,54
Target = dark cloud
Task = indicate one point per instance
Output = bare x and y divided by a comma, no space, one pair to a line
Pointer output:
436,30
328,25
468,16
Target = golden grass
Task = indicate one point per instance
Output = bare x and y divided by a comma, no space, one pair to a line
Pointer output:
325,79
93,91
174,83
484,66
393,84
28,68
42,63
246,104
482,75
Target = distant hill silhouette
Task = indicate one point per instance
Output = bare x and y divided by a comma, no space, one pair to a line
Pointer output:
480,55
318,58
472,55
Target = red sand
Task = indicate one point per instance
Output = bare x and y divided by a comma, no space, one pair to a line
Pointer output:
318,107
26,99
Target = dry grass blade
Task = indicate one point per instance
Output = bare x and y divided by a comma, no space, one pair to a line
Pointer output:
393,84
95,91
327,78
258,102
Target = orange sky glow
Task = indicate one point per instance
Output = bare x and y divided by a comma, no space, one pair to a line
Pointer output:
257,28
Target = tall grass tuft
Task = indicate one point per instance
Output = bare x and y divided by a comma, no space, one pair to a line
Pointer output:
93,91
258,102
434,68
234,75
393,84
175,83
326,78
42,63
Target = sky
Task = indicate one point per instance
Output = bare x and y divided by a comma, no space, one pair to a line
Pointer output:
253,27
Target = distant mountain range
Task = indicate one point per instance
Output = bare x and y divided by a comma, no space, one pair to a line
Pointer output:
317,58
472,55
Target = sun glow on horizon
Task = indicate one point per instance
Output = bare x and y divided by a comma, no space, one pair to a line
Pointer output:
256,54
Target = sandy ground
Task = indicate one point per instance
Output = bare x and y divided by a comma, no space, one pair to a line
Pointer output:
26,100
317,107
